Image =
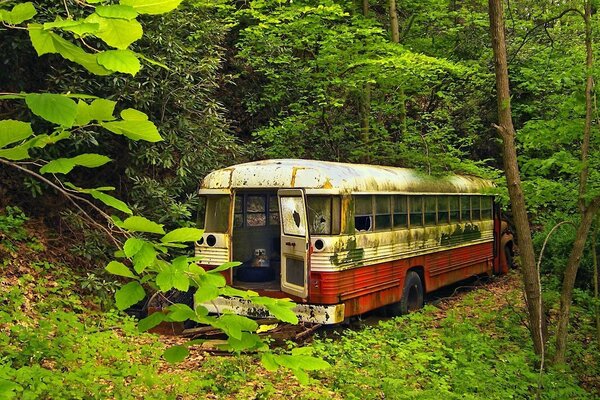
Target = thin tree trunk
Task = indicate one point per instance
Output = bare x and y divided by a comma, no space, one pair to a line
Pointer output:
595,260
507,132
365,106
587,212
566,294
395,33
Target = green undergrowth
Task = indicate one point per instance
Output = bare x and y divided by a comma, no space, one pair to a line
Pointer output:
57,343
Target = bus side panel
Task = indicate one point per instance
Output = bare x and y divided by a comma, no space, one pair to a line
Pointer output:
367,288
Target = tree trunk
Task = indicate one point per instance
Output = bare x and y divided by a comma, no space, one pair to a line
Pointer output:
587,212
365,106
506,129
395,33
596,283
566,294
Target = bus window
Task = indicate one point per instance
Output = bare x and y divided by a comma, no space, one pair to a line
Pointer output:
256,211
383,213
476,208
323,215
400,212
443,213
486,207
273,211
201,212
454,209
465,208
363,213
293,216
416,210
217,213
430,210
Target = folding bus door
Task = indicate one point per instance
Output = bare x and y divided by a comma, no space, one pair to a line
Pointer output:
294,242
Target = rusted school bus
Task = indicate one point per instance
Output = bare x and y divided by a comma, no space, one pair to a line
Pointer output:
344,239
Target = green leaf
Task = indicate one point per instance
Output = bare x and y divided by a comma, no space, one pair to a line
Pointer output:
12,131
19,13
79,28
234,325
134,130
117,11
172,277
118,268
16,153
180,313
46,42
65,165
129,295
144,258
124,61
217,280
176,354
141,224
152,6
114,32
151,321
246,342
206,293
133,246
99,110
111,201
131,114
225,266
269,362
55,108
182,235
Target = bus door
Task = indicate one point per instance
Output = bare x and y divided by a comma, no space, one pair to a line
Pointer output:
294,242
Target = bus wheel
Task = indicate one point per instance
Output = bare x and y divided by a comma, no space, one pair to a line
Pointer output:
509,257
412,296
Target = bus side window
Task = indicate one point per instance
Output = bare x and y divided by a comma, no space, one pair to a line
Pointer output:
443,213
454,209
465,208
238,212
256,213
319,214
273,210
430,210
476,207
363,213
486,207
383,213
400,212
416,211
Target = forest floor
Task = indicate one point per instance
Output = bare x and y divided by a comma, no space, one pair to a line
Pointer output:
57,342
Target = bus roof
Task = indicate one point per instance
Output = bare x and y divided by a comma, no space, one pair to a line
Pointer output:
333,177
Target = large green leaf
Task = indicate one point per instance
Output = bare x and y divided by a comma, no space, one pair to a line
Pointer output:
111,201
176,354
55,108
117,11
134,130
141,224
12,131
234,325
129,295
225,266
206,293
16,153
132,246
152,6
79,28
20,13
118,268
46,42
151,321
131,114
65,165
180,313
117,33
173,277
120,61
182,235
144,258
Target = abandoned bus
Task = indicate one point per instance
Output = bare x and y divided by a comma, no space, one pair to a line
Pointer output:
343,239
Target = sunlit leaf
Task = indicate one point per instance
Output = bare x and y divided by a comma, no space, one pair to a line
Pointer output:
20,13
118,268
151,321
55,108
152,6
124,61
141,224
134,130
12,131
117,11
129,295
65,165
175,354
114,32
182,235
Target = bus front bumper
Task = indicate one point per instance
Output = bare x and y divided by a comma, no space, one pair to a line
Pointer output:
313,313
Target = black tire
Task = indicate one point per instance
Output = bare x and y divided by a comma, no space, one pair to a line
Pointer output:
255,274
509,256
412,296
